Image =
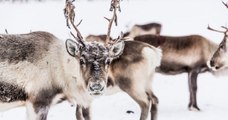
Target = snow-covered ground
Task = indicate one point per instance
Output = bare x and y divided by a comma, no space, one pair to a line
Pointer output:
178,17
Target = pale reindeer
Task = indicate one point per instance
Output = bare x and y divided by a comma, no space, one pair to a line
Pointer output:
132,72
37,69
219,60
150,28
183,54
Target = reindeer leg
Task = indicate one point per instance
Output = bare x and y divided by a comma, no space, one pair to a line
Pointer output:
36,111
154,101
79,115
86,113
192,79
153,97
136,92
142,99
143,102
82,113
38,104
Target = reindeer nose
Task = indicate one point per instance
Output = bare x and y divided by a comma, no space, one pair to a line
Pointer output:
212,63
96,87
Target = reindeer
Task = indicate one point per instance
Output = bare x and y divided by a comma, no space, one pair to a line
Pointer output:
150,28
219,59
185,54
37,69
131,72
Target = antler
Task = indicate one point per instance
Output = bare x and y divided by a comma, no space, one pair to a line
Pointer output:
115,4
225,32
224,28
69,14
226,4
212,29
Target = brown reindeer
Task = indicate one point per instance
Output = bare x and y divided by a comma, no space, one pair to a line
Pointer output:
186,54
150,28
131,72
219,59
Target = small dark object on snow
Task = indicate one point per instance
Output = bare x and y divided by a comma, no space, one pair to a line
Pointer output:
130,112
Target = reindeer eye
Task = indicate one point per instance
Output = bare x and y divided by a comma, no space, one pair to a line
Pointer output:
82,61
222,47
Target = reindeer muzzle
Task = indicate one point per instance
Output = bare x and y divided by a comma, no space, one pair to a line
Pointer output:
96,88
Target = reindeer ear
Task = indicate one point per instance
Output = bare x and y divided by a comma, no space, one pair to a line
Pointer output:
117,49
72,47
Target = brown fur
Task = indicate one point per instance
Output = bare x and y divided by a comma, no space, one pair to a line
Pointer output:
183,54
149,26
24,47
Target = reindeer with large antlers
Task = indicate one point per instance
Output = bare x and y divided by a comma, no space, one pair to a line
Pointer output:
129,68
220,58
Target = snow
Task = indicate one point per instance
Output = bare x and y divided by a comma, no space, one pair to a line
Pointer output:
178,17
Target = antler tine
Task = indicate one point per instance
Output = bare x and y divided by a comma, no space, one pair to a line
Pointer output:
209,28
226,4
226,28
120,37
70,16
115,4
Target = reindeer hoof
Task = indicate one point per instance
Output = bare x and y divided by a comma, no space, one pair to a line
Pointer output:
194,108
130,112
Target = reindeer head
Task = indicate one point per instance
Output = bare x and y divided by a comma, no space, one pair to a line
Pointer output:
219,59
94,57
